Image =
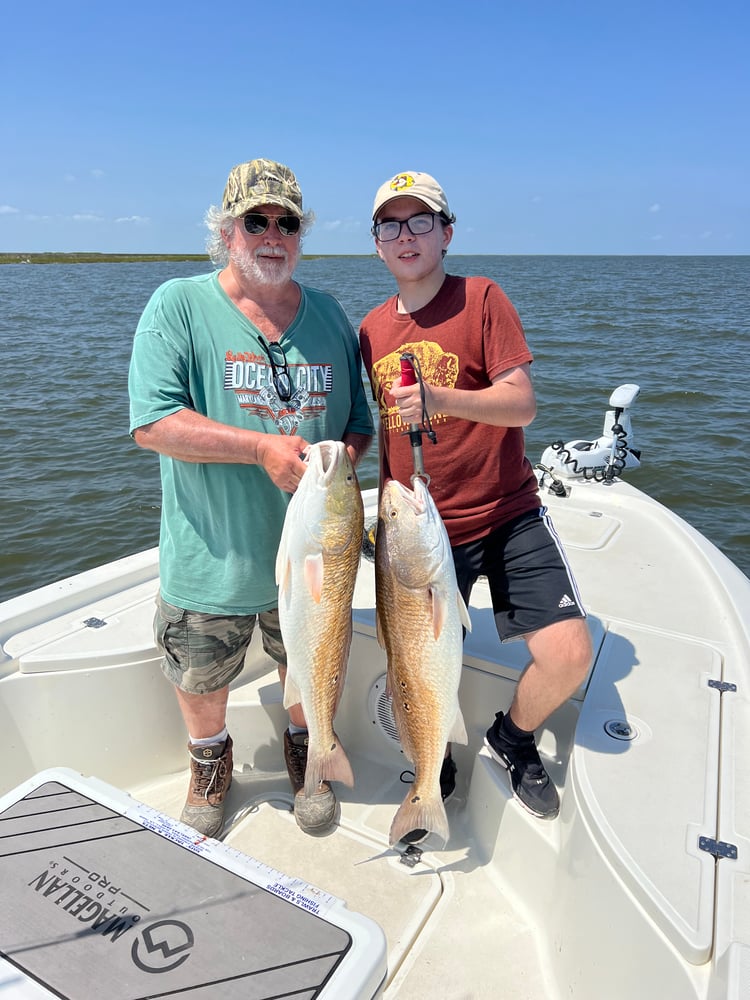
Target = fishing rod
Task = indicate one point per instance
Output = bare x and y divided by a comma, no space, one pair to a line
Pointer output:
411,374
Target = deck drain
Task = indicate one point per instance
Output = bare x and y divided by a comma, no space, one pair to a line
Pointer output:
380,711
620,729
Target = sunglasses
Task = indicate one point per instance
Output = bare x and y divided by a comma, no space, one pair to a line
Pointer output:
256,223
282,380
418,225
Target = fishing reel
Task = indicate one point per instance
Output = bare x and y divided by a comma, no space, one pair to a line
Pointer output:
600,460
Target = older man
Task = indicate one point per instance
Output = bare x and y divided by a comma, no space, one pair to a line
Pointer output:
232,375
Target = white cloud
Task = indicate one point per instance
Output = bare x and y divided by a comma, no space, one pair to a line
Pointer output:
342,225
139,220
8,210
86,217
656,207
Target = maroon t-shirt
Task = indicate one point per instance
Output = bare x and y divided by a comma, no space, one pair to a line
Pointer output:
468,334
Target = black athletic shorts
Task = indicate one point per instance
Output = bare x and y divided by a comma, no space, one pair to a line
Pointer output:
530,580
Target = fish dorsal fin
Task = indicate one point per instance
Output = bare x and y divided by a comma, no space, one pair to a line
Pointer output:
283,567
439,611
457,733
380,634
283,573
292,695
463,611
314,575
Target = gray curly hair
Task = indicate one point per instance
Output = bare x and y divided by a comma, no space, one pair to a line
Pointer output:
219,221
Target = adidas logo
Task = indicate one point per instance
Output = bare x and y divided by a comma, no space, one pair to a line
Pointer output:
565,602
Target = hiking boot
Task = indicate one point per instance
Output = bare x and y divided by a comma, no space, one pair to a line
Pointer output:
314,813
447,788
531,783
210,778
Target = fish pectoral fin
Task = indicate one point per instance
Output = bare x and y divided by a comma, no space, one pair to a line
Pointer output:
463,612
292,694
314,575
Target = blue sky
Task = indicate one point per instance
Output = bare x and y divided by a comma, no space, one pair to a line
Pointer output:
554,127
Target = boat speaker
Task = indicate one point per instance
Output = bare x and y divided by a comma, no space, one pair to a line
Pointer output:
380,711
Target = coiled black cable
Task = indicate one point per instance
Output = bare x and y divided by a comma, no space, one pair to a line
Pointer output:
604,473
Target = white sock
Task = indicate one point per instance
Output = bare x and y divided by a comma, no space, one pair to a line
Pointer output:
206,741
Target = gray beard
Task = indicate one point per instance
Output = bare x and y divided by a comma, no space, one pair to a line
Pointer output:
257,267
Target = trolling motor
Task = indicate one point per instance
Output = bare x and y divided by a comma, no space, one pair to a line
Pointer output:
411,374
606,457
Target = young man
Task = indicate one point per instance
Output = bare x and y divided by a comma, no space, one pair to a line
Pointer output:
232,374
474,360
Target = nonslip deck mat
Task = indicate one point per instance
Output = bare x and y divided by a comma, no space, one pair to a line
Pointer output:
96,903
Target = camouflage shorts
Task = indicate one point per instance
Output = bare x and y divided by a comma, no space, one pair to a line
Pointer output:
203,653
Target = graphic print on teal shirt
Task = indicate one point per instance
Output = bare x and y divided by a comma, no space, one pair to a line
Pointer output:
250,377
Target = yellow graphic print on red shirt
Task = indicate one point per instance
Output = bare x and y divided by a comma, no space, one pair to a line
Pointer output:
439,367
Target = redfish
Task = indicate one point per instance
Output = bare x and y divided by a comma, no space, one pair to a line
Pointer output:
420,614
316,569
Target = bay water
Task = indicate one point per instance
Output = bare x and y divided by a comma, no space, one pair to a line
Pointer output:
77,492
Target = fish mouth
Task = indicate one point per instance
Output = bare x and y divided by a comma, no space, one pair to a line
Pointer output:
326,457
415,499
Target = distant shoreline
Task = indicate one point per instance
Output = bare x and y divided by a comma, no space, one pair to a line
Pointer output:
150,258
96,258
122,258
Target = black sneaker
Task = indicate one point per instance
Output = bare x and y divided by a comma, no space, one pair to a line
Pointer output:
447,788
531,783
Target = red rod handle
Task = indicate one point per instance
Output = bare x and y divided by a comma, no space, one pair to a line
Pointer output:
408,375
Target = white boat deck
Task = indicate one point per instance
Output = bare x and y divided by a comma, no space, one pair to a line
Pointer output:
616,898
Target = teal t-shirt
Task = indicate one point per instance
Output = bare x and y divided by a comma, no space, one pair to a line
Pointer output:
194,349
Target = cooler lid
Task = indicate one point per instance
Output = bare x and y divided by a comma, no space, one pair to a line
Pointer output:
103,896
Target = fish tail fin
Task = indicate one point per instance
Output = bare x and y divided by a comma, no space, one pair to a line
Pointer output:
418,813
331,764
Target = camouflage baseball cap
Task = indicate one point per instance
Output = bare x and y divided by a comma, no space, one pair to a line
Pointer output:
261,182
413,184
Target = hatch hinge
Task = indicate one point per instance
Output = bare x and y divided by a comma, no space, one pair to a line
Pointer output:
94,623
411,856
722,686
719,848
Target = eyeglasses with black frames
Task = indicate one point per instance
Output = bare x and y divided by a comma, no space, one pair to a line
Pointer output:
418,225
282,379
256,223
